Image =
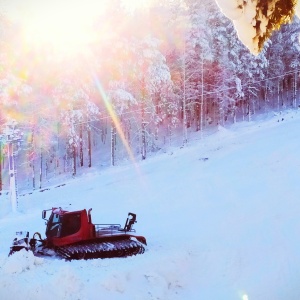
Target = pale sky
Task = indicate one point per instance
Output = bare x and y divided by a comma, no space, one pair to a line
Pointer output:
23,9
20,9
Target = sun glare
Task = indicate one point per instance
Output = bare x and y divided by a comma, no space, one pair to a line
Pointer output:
66,29
133,5
65,26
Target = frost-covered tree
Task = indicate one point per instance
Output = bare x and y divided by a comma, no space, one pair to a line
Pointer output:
140,87
283,56
154,81
77,111
243,74
120,102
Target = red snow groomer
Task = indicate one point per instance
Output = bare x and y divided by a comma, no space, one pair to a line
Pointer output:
72,235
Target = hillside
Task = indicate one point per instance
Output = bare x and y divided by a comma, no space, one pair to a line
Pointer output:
221,217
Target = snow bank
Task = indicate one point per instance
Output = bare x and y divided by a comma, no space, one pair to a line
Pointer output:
5,205
21,261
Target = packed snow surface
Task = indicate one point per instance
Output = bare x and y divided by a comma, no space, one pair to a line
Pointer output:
221,217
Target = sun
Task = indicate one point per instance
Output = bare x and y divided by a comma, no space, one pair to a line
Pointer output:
133,5
65,27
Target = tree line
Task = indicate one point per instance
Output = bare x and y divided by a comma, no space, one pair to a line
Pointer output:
151,78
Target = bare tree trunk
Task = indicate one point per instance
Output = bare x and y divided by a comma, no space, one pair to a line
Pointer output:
286,89
32,161
80,146
113,142
249,112
41,167
254,106
104,132
185,138
234,115
202,96
198,116
295,90
47,168
33,175
144,150
156,132
74,159
278,94
266,95
170,134
89,147
248,106
243,109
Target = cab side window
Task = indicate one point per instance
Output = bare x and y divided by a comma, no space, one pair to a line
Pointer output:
71,224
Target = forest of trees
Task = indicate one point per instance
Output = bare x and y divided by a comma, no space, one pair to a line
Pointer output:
151,78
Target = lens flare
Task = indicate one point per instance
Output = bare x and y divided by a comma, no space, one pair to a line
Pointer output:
245,297
132,5
114,118
117,123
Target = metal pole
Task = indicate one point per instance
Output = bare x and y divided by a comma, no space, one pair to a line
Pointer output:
12,177
12,136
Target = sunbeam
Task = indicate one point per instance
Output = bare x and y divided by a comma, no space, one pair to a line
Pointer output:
114,118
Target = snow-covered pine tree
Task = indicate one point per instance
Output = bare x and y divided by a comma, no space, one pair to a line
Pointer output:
283,52
77,110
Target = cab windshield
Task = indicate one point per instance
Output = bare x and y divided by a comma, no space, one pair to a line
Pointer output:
54,225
